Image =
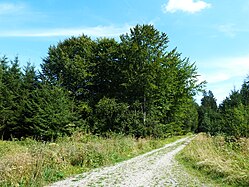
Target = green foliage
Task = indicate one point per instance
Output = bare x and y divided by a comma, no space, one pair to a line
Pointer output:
133,86
30,107
107,75
235,114
49,112
230,118
208,115
11,95
69,63
109,116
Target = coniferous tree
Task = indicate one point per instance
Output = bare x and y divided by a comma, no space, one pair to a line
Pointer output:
209,120
235,114
10,92
49,113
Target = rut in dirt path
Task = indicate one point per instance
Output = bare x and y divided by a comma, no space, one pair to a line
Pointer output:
155,168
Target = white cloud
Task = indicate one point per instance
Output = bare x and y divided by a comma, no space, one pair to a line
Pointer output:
190,6
9,8
98,31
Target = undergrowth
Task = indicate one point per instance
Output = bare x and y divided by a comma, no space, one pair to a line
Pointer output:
222,159
32,163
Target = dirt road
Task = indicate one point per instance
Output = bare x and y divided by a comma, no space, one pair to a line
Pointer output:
155,168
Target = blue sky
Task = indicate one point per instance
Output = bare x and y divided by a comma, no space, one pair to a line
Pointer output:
213,34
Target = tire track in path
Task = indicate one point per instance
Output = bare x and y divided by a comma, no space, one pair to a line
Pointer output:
155,168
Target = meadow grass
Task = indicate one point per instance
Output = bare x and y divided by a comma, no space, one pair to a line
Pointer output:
32,163
220,159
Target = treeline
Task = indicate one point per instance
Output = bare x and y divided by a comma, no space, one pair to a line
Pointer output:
231,117
134,85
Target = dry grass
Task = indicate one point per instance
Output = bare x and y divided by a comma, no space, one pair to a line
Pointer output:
32,163
225,160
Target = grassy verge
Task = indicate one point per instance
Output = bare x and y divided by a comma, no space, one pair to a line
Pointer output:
225,162
32,163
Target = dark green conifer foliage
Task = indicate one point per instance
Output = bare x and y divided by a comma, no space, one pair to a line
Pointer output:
235,113
230,118
49,112
135,85
11,82
209,120
29,107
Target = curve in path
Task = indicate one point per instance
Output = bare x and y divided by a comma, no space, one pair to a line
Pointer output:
155,168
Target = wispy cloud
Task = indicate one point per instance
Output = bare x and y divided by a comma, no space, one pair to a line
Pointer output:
216,77
190,6
228,29
222,69
98,31
223,74
235,66
232,30
9,8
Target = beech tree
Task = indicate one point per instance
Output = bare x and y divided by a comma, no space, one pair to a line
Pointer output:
134,85
156,85
70,63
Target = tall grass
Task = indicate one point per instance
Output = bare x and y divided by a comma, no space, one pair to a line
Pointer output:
225,160
32,163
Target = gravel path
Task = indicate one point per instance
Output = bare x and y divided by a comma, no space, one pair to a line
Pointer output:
155,168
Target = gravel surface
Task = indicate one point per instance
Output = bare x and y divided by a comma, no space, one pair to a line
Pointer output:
155,168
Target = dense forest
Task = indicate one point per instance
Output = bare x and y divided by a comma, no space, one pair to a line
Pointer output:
134,85
230,118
